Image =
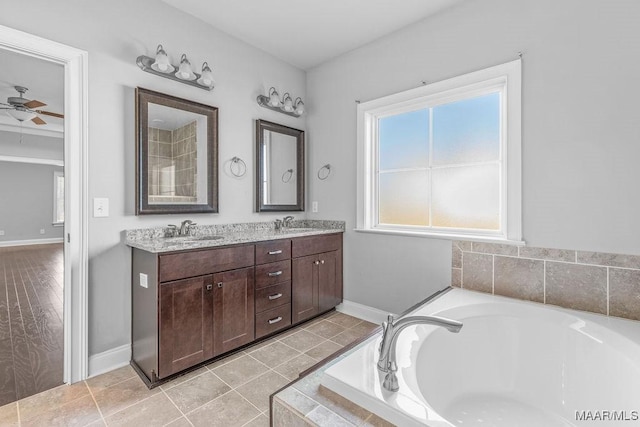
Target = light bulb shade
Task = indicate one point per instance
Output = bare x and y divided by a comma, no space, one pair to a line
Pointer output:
162,63
299,106
274,97
287,103
206,78
21,115
185,72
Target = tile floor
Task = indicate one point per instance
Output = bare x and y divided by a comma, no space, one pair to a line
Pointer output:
233,391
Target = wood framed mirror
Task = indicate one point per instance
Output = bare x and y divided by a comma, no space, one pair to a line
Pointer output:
176,155
279,168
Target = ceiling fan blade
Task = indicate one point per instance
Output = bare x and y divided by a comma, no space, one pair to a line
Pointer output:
34,104
49,113
37,120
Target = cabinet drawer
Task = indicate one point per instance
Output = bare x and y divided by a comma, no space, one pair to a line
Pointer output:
274,250
273,296
197,263
273,320
304,246
272,273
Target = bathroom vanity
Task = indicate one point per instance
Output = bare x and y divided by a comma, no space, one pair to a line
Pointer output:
195,298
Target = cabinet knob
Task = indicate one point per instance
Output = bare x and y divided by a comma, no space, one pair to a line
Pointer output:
316,262
209,286
219,284
321,261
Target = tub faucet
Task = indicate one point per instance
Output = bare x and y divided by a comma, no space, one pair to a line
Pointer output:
391,330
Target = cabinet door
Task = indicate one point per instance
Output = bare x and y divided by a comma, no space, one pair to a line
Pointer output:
329,292
304,288
186,324
233,309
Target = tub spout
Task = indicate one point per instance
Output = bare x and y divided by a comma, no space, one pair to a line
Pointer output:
391,330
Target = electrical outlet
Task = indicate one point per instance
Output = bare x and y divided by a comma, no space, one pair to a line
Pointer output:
314,206
144,281
1,232
42,231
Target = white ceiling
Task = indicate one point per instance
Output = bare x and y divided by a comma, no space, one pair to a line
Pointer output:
308,33
45,81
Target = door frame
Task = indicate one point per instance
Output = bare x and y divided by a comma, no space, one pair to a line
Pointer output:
75,304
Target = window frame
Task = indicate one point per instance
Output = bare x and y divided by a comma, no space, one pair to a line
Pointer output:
507,78
56,175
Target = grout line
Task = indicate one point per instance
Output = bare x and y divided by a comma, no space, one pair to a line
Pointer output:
544,281
493,274
607,291
174,404
254,418
95,402
558,261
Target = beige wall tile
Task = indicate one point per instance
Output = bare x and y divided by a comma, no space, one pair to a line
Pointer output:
456,256
323,417
494,248
548,254
296,400
477,272
624,293
463,245
519,278
456,277
610,260
284,417
580,287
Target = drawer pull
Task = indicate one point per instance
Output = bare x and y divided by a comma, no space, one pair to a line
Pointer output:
275,273
275,296
279,251
276,320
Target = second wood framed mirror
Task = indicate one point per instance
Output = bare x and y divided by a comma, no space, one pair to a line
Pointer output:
279,168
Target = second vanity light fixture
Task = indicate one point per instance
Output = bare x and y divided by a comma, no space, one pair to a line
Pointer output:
160,66
286,105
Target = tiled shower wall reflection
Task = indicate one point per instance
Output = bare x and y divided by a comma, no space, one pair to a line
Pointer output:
591,281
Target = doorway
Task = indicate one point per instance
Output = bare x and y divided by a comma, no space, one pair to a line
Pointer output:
75,159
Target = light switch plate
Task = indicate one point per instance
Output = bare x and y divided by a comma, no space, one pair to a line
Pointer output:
144,281
100,207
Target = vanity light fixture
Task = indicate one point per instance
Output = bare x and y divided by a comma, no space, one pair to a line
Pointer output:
160,66
287,105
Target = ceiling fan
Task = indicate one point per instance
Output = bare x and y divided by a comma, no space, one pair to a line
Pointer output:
21,108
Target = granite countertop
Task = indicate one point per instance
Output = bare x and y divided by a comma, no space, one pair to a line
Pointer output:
209,236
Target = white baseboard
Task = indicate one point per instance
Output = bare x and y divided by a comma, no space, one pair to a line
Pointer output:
361,311
109,360
31,242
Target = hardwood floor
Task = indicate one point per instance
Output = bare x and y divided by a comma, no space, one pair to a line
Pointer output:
31,296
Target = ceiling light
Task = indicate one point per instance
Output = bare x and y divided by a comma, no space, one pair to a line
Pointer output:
21,115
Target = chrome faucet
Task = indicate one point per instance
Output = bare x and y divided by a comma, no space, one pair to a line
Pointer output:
286,221
278,224
391,330
185,227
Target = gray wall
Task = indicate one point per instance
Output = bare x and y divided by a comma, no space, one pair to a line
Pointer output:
33,146
581,137
26,191
114,33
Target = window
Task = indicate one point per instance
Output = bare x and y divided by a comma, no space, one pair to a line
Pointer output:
58,198
444,159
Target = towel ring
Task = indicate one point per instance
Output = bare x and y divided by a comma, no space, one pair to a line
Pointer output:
287,175
241,167
322,176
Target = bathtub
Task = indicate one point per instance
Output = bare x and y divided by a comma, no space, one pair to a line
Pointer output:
514,363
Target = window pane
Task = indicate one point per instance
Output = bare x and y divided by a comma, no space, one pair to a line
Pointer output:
403,198
467,197
467,130
60,199
404,140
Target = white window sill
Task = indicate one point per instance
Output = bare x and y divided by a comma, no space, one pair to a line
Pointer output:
442,236
58,224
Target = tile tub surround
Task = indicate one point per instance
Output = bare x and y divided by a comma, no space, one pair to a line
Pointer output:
154,240
232,391
597,282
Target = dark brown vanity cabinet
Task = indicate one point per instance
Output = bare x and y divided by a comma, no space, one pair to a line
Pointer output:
193,305
316,275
